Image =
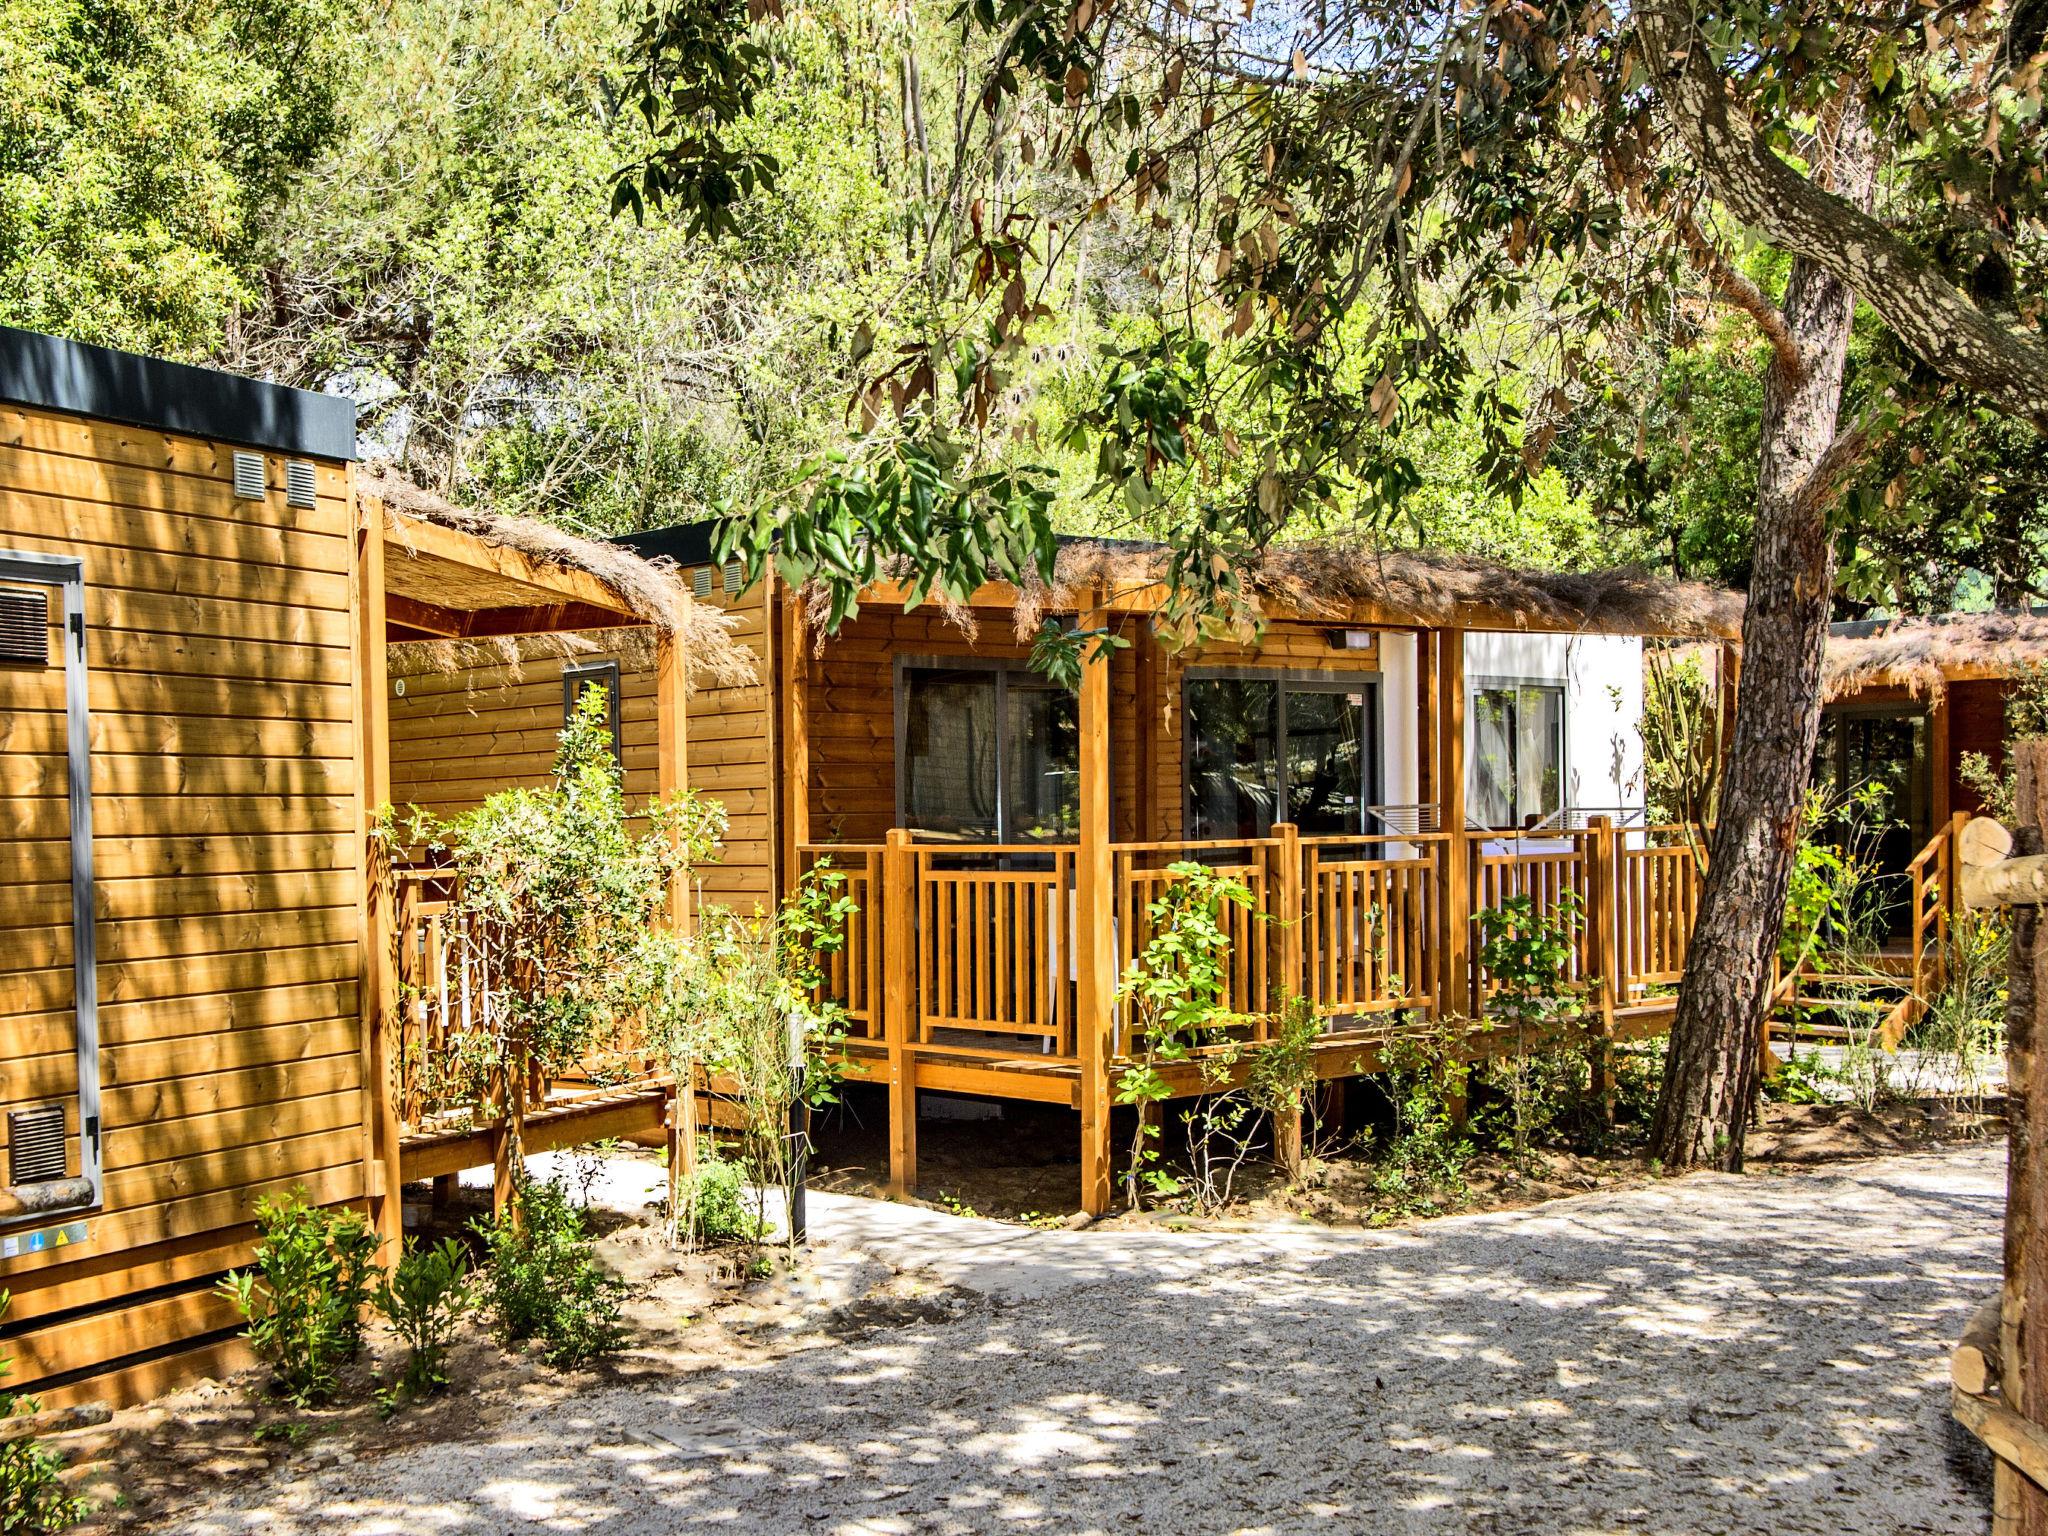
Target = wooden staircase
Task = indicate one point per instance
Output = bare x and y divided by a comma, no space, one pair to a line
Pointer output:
1897,987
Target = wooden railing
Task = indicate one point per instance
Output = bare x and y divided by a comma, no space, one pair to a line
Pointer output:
1372,919
989,949
1933,879
994,943
853,971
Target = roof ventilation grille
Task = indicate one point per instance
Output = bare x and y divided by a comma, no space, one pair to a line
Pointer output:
732,577
700,581
249,477
35,1145
25,627
300,487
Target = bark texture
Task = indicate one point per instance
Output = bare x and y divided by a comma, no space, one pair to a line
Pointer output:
1834,230
1711,1071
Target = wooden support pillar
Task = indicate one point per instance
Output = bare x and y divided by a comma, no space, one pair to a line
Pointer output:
795,656
1094,914
898,917
672,777
1427,751
1940,785
378,1001
1456,996
1145,727
1603,912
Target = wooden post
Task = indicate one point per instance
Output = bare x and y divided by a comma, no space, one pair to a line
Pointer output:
1603,911
1937,758
2020,1506
1457,999
1094,909
672,777
898,918
1427,750
1290,982
796,741
378,1007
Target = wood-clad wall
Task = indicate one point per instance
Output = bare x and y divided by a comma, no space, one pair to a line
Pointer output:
458,735
852,711
224,772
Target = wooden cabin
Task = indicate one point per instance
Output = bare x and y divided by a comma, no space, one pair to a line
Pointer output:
198,995
1405,740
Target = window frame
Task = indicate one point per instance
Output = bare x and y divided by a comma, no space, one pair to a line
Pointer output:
578,675
1284,680
1489,683
1006,670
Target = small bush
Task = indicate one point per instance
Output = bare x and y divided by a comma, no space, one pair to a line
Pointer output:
542,1280
305,1299
718,1193
33,1498
424,1300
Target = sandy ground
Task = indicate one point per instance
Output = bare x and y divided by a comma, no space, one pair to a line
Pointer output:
1716,1354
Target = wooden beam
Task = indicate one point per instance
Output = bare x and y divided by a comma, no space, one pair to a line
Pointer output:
899,1005
672,778
1094,906
1456,988
411,536
1427,768
379,1004
1938,765
427,618
796,740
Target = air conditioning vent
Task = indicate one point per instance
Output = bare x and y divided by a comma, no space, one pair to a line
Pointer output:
35,1145
25,627
249,477
732,577
700,581
300,484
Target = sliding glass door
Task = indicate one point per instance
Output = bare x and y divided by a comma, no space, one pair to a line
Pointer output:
1261,749
987,755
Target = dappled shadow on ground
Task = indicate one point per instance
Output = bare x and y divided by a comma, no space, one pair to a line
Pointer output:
1714,1354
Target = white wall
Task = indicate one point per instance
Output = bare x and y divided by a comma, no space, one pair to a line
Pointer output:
1603,704
1400,728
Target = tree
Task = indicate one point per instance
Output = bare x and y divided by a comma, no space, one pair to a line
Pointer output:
143,148
1386,211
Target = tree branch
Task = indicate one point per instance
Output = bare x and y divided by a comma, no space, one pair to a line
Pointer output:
1927,312
1734,286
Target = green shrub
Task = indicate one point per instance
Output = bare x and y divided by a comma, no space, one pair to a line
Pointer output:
305,1299
33,1498
424,1299
718,1191
541,1278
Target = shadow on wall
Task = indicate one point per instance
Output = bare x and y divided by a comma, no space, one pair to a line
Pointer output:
1716,1354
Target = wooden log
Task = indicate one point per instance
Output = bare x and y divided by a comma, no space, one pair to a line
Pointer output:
1974,1366
1992,873
2016,1442
20,1200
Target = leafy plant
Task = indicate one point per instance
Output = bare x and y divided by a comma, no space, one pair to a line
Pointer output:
424,1299
1525,950
716,1195
1175,993
1282,1074
1425,1077
1804,1080
33,1498
541,1278
315,1271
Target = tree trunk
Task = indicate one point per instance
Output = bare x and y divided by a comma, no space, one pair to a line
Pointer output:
1711,1072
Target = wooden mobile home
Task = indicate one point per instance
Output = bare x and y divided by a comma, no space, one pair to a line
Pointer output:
198,990
1406,739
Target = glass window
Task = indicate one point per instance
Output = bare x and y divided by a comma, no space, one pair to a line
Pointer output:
579,678
989,756
1514,753
1262,750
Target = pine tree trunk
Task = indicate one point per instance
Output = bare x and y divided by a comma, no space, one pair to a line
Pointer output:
1711,1071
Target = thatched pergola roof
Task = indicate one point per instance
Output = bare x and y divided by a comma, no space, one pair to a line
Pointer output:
1924,655
482,604
1347,581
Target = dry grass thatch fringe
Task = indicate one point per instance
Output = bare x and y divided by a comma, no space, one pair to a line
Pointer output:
651,590
1919,654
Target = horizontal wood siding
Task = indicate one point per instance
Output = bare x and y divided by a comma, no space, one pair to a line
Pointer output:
224,802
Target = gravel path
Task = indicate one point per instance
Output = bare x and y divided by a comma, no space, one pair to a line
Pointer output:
1710,1355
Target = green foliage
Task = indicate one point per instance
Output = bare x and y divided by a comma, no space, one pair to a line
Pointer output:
1174,996
33,1498
747,1003
717,1199
1835,891
542,1281
144,148
561,905
1526,949
315,1272
424,1300
1962,1034
1422,1166
1681,730
1804,1080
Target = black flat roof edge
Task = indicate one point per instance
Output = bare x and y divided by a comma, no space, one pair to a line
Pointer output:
51,373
